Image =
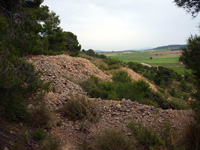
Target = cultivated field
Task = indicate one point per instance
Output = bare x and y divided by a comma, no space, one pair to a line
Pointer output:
165,58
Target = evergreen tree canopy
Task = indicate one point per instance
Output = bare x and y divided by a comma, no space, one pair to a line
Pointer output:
72,46
192,6
26,28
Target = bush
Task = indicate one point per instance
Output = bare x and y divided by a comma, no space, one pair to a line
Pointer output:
184,86
177,104
45,141
118,89
18,79
133,91
78,107
192,136
175,93
39,135
114,140
41,117
137,91
160,100
50,143
122,76
144,135
150,139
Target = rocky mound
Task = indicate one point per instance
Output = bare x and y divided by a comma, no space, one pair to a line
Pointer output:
66,72
116,115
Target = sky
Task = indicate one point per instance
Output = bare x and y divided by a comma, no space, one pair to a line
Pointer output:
112,25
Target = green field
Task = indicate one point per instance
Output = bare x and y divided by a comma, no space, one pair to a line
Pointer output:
182,70
165,58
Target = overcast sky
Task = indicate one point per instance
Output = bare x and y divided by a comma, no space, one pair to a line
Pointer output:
124,24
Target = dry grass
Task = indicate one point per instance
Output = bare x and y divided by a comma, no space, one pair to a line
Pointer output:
79,107
41,117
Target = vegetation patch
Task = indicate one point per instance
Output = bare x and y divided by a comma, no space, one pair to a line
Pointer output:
123,87
149,139
114,140
41,117
79,107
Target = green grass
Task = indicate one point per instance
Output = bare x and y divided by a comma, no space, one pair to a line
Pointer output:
144,57
159,58
181,70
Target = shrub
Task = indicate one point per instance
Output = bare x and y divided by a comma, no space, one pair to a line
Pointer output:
160,100
177,104
46,141
118,89
41,117
122,76
184,86
144,135
192,136
149,139
78,107
136,91
133,91
114,140
18,79
39,135
50,143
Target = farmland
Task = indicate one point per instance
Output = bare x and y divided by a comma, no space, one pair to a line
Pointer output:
162,57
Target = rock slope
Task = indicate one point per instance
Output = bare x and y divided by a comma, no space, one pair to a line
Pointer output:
66,72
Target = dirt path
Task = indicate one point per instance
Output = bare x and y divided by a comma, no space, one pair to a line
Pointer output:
145,64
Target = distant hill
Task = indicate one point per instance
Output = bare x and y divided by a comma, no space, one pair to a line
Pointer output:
99,51
171,47
168,47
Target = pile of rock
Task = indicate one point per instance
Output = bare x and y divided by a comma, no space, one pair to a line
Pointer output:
65,74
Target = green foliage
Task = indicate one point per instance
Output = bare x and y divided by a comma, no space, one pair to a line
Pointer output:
78,107
90,52
160,100
113,63
50,143
144,135
149,139
122,87
178,104
190,58
184,86
72,45
175,93
136,91
39,135
192,136
161,76
191,6
18,79
191,55
45,141
122,76
114,140
25,28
